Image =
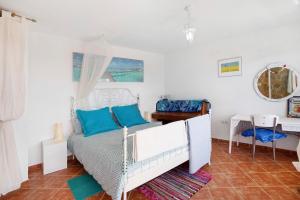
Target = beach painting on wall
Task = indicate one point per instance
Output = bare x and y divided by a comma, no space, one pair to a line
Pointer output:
124,70
230,67
77,64
119,69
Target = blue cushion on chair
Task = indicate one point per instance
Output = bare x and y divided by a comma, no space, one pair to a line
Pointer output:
264,135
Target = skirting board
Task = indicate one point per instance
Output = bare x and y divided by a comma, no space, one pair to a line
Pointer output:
257,146
40,165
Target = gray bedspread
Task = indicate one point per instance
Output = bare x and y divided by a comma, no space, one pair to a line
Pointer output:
102,156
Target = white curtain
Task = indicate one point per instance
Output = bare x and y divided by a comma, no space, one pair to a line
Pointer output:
12,96
97,56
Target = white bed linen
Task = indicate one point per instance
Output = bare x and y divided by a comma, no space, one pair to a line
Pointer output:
199,129
153,141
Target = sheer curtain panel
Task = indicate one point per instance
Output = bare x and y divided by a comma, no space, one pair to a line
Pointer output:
12,96
97,56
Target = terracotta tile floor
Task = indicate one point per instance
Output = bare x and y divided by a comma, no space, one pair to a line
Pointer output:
235,176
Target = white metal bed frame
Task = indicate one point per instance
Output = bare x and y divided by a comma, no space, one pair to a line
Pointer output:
151,171
102,97
122,96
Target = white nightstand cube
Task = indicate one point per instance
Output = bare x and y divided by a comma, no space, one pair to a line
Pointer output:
54,156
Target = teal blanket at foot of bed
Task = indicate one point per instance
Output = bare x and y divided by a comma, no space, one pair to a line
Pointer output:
84,186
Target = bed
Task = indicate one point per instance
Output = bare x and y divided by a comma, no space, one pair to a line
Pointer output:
110,157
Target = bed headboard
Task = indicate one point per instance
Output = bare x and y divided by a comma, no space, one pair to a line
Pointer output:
102,97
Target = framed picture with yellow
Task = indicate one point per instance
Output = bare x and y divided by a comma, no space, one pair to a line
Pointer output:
230,67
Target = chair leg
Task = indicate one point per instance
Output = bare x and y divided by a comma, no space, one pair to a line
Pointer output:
274,149
253,147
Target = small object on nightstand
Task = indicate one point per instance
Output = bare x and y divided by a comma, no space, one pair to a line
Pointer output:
54,156
147,116
58,132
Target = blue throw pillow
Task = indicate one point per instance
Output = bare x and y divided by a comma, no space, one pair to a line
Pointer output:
96,121
166,105
128,115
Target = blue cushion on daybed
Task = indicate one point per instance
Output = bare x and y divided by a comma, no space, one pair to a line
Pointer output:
128,115
96,121
166,105
264,135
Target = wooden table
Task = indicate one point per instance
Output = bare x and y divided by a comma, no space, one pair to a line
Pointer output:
167,117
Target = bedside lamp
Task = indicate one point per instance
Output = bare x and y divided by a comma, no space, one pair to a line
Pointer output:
58,133
147,116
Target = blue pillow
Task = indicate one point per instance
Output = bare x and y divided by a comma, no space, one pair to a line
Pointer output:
128,115
96,121
166,105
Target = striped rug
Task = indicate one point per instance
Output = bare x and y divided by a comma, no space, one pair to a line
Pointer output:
176,184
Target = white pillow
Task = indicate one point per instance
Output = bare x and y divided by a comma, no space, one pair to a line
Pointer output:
76,126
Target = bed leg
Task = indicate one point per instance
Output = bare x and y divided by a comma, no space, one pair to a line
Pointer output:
124,195
125,133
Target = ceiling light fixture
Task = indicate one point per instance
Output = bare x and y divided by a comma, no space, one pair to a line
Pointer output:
297,2
189,30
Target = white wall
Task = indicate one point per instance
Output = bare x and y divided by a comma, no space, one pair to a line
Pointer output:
193,73
153,86
48,94
50,87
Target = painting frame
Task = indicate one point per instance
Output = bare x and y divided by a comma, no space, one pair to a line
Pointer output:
77,61
293,105
229,67
124,70
119,70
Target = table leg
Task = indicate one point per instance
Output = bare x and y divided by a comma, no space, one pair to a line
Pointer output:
233,125
297,163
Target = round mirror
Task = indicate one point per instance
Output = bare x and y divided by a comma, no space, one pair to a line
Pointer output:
276,82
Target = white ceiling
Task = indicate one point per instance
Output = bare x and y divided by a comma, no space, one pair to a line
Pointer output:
155,25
